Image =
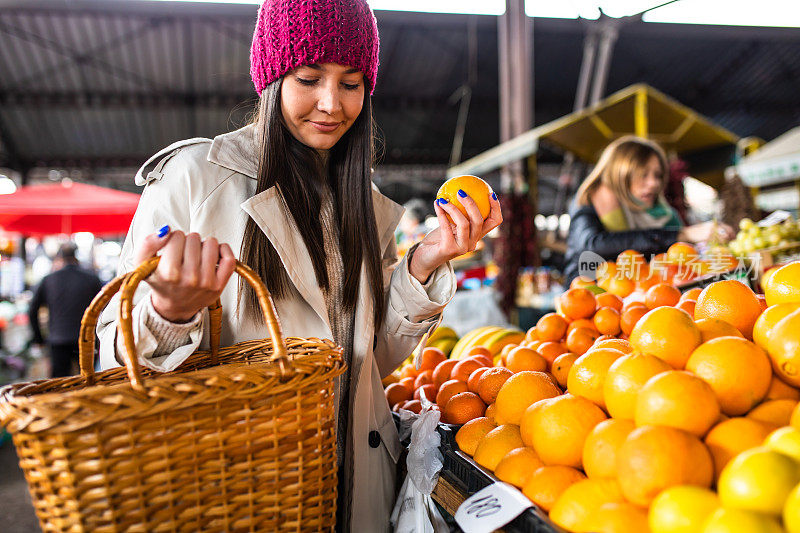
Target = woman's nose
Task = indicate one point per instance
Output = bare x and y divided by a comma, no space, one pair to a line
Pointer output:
328,101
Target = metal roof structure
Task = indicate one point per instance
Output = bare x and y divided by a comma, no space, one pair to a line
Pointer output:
103,84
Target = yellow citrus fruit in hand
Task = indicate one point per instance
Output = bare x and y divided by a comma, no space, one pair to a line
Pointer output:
783,285
737,370
758,480
473,186
625,378
682,509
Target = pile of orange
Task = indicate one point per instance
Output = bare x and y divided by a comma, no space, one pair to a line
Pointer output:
616,416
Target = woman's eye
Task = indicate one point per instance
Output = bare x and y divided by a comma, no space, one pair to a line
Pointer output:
351,86
305,81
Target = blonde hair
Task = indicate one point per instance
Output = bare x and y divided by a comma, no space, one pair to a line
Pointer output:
616,167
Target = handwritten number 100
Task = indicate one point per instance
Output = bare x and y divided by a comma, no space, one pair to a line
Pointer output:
486,506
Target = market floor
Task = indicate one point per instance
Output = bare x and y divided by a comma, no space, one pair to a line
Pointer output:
15,501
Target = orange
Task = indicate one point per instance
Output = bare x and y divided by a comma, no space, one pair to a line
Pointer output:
606,320
520,391
661,294
732,301
794,420
776,412
654,458
415,406
429,390
668,333
608,299
533,345
602,338
629,263
463,407
442,371
408,383
630,317
730,437
711,328
504,352
682,252
738,371
425,377
617,517
580,340
578,303
677,399
581,501
691,294
682,509
551,327
485,360
621,287
588,374
472,382
607,270
490,412
520,359
581,323
431,357
408,371
561,367
533,334
783,285
778,390
448,390
581,281
396,393
557,428
491,381
464,368
783,346
767,320
548,482
470,434
602,443
551,350
517,466
687,305
762,300
496,444
625,377
618,344
476,188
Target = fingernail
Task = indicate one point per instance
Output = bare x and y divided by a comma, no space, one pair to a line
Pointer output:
163,231
442,200
462,194
494,196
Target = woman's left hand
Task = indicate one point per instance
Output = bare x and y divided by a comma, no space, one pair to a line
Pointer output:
452,239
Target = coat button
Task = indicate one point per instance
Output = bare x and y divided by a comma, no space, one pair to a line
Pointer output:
374,439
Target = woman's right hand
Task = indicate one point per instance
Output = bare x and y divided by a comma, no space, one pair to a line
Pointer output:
705,230
191,274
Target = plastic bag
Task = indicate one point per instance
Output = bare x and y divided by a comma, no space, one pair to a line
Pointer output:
415,511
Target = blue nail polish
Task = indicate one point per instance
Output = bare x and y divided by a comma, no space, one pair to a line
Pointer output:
462,194
442,200
494,196
163,231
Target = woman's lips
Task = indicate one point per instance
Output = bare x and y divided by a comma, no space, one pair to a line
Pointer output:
325,127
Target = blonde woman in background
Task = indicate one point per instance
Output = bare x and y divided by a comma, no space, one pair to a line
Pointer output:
621,206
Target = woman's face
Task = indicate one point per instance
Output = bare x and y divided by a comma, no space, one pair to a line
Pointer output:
647,181
320,102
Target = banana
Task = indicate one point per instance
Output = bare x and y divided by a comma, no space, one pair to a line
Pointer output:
445,345
442,332
465,340
503,338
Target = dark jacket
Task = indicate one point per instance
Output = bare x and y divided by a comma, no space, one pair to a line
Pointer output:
587,233
66,293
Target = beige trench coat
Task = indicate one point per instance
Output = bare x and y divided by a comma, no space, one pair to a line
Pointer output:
208,187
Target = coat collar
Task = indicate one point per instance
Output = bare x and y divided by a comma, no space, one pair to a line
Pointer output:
237,151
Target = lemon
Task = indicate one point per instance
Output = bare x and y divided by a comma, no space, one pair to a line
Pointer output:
681,509
785,440
791,511
758,480
738,521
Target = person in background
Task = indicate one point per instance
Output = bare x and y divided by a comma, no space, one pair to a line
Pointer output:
621,206
66,293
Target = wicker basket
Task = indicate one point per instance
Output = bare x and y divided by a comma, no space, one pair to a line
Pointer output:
237,439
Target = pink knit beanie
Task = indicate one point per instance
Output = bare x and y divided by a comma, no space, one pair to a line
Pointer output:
292,33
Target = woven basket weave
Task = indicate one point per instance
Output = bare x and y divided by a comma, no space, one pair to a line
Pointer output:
237,439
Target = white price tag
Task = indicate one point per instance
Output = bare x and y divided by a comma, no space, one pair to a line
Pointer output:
491,508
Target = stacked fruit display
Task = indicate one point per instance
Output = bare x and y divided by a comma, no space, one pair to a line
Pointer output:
753,237
663,400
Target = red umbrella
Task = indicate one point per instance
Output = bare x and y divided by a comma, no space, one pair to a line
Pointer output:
67,207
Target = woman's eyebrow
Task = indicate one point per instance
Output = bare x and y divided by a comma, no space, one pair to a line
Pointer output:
317,66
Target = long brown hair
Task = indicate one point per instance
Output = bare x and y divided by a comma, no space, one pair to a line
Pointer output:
297,170
616,167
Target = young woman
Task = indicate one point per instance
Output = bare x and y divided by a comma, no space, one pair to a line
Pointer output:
621,206
290,195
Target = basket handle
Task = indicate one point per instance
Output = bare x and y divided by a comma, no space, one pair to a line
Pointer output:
130,281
